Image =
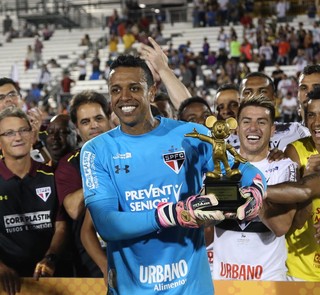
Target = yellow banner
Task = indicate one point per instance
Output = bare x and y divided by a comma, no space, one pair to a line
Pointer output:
88,286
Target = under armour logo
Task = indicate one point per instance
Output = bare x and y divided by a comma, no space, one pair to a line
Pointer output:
118,169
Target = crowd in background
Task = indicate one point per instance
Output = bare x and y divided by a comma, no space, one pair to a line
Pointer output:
266,42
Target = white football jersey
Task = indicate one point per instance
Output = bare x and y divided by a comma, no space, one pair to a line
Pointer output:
249,250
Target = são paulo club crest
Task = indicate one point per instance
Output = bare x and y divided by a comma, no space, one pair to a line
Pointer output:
175,160
44,192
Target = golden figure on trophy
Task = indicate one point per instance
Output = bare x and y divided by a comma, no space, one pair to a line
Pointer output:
220,130
224,186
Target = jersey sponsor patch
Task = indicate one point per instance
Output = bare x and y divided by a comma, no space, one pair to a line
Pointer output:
149,198
163,273
88,169
39,220
240,271
44,192
175,160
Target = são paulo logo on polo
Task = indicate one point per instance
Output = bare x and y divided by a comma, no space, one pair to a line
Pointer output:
174,159
44,192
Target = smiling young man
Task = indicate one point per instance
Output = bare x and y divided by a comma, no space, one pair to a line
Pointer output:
140,181
305,152
257,83
32,232
259,251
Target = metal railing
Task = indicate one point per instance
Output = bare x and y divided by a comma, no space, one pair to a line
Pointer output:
56,11
79,13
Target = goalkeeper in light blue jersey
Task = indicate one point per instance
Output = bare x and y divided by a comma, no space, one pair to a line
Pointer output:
141,183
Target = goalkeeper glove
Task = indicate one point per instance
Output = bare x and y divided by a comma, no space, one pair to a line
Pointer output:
254,195
189,213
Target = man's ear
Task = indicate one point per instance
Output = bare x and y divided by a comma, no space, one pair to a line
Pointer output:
152,92
79,138
299,109
273,129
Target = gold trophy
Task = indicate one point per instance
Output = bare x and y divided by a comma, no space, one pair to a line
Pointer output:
224,186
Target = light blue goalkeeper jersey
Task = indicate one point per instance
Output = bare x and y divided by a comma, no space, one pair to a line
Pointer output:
124,178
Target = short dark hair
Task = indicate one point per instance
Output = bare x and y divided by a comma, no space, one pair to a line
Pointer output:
190,100
131,61
314,93
161,96
85,97
228,86
310,69
258,101
4,81
261,75
13,111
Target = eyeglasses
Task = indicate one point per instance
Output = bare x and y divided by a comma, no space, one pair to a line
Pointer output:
12,133
11,95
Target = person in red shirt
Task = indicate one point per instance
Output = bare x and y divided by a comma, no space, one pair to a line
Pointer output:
246,50
66,84
283,51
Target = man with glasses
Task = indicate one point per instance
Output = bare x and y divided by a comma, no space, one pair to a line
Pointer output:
32,232
10,96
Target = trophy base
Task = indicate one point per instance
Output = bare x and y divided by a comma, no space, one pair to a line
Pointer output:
226,191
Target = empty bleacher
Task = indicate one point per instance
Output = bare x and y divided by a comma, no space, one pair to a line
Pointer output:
94,85
196,36
63,47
